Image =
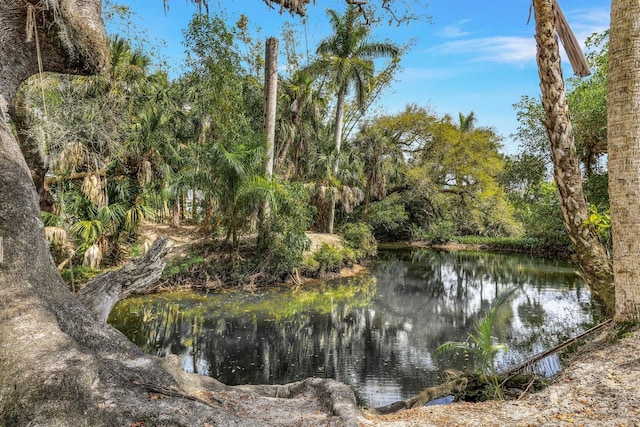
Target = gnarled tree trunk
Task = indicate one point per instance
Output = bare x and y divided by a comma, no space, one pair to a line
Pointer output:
138,276
590,255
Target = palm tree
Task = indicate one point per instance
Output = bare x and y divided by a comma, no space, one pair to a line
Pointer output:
468,122
623,111
128,66
590,254
348,58
301,109
381,154
234,168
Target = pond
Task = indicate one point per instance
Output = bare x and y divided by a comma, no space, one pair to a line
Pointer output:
376,332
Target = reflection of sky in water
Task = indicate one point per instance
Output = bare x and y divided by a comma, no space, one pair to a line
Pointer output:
376,335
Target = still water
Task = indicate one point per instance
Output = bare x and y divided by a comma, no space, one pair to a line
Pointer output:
376,332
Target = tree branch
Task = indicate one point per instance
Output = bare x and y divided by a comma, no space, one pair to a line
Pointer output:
137,276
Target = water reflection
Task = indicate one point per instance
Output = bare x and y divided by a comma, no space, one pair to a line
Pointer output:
376,333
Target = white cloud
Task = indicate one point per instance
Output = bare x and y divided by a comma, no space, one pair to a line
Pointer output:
501,49
454,31
517,50
585,22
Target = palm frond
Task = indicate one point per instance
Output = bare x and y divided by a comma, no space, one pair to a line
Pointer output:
450,346
134,217
88,230
57,236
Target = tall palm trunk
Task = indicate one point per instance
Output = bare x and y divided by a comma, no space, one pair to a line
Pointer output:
183,204
175,214
623,115
367,189
194,204
271,97
590,255
270,106
337,139
337,135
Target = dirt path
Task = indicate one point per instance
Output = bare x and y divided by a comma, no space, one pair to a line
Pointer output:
180,238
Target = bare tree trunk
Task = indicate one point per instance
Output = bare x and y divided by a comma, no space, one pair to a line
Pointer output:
337,139
194,204
332,215
270,104
104,291
282,154
183,205
337,136
623,115
271,98
590,255
175,213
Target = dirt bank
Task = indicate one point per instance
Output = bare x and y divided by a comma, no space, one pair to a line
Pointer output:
600,387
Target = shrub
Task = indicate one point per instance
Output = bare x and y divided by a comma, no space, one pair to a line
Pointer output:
358,237
310,266
135,250
388,218
328,258
282,247
441,232
541,217
348,256
508,243
180,265
80,274
480,343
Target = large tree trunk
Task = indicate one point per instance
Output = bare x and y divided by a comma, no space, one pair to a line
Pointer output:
623,115
270,104
590,254
59,366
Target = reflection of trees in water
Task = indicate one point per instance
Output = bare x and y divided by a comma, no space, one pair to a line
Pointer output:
374,335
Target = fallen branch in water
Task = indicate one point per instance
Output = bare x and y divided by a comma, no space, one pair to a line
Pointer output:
427,395
555,349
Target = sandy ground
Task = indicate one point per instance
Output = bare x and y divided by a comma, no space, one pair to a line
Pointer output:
600,387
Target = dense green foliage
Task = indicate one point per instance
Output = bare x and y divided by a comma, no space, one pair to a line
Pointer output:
359,238
131,145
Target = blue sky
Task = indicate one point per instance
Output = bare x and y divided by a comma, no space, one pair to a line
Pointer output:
472,56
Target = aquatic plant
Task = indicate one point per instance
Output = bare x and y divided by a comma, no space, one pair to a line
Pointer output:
481,345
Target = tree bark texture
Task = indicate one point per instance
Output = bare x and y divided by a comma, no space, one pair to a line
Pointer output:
623,134
590,254
59,365
104,291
